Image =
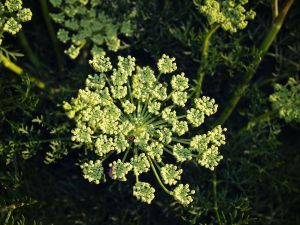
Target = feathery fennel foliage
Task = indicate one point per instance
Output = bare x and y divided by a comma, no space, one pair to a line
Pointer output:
127,110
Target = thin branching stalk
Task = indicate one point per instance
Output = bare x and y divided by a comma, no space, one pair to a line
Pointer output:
204,54
216,207
275,8
263,49
257,120
12,208
7,63
28,50
157,176
51,31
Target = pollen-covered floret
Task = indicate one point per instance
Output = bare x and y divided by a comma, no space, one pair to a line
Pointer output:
93,171
207,146
13,5
182,153
73,51
195,117
128,107
231,15
179,98
24,15
127,112
206,105
180,82
182,194
209,158
140,164
143,192
170,174
119,170
126,65
12,26
12,15
166,64
180,127
155,150
164,135
101,64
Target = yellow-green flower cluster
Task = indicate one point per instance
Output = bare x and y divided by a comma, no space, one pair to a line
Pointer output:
208,147
12,14
93,171
182,194
231,15
88,23
286,100
166,64
170,174
128,112
143,192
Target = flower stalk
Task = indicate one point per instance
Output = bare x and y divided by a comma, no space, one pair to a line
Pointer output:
51,31
204,54
157,176
27,48
7,63
216,208
257,120
263,49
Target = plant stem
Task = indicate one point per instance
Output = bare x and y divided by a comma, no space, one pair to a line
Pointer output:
257,120
27,48
263,49
11,208
275,8
204,54
157,176
216,208
19,71
51,31
126,153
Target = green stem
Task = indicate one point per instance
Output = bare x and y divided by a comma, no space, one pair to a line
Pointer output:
216,208
257,120
12,208
275,8
265,45
168,151
126,153
27,48
7,63
183,141
106,156
66,139
204,54
51,31
157,176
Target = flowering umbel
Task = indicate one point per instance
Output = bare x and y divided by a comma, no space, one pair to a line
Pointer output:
286,100
127,111
231,15
12,14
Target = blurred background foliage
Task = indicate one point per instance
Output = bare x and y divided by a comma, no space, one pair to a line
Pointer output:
258,179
